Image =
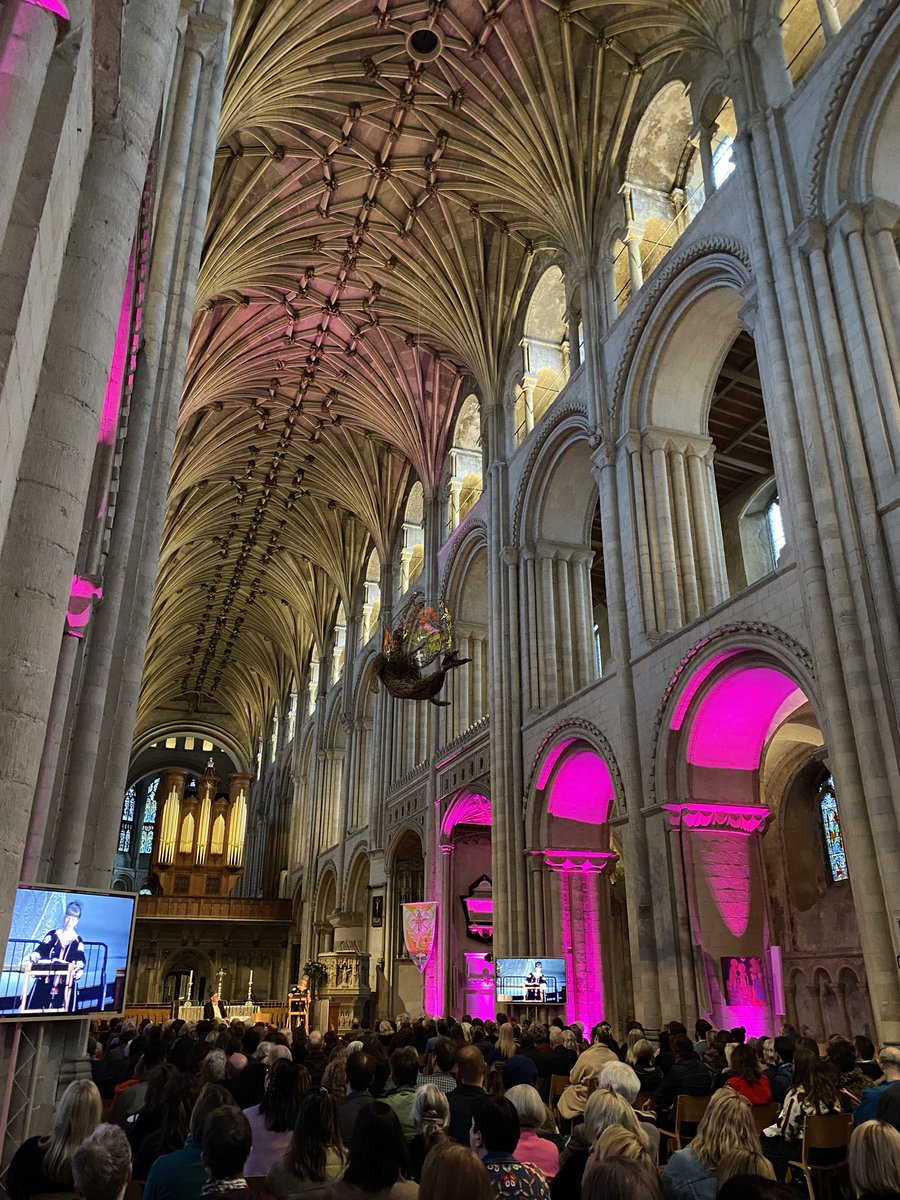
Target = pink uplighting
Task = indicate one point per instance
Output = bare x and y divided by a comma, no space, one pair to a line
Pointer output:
735,717
109,418
54,6
690,689
468,809
78,611
479,989
550,762
582,789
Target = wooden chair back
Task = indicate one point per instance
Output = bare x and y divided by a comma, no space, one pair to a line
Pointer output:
831,1132
764,1115
690,1109
641,1099
256,1183
135,1190
558,1084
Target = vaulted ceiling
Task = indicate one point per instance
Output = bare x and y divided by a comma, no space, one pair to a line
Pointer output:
374,222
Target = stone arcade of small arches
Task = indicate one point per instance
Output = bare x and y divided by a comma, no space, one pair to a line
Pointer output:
585,325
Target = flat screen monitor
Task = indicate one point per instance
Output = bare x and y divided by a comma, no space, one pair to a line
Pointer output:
531,980
67,954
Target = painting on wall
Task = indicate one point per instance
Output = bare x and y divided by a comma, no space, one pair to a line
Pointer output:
744,981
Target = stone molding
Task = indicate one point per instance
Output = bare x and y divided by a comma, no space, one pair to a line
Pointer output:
527,480
738,818
578,725
582,862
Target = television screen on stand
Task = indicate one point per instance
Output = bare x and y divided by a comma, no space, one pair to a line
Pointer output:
531,980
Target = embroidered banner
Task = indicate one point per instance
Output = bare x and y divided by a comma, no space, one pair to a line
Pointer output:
419,921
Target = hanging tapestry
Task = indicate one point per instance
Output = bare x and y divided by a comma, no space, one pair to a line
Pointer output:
419,921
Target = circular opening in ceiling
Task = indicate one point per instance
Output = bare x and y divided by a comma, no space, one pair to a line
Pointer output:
424,43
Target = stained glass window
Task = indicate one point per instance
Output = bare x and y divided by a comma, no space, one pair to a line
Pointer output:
127,820
831,825
124,838
149,820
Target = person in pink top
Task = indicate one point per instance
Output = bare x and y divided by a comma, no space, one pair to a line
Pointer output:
746,1076
533,1149
272,1120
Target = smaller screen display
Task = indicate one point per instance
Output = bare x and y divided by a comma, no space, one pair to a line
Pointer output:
67,954
531,980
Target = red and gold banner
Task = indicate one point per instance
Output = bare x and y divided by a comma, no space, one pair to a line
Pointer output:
419,922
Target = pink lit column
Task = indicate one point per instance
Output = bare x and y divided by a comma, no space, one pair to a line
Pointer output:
726,897
580,911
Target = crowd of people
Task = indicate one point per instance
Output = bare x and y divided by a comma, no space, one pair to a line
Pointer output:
467,1109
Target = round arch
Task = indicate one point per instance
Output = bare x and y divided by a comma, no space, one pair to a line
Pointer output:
566,438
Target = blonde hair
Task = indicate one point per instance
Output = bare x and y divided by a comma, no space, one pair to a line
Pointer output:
634,1036
506,1042
641,1048
726,1125
606,1108
618,1142
875,1158
76,1117
742,1162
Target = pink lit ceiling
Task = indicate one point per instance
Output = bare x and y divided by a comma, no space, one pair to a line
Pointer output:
736,716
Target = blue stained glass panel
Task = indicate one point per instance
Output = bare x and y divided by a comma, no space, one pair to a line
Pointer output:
124,837
146,839
834,841
150,803
128,806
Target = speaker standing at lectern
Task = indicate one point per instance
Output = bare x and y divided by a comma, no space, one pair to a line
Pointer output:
214,1009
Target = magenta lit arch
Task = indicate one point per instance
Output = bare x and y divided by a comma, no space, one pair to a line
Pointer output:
581,788
471,808
737,715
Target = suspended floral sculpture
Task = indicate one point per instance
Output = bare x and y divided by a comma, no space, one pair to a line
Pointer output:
421,635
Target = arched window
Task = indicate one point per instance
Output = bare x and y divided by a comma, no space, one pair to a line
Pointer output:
127,823
723,160
776,529
149,818
831,827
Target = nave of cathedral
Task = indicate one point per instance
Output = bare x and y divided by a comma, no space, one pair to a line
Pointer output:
558,336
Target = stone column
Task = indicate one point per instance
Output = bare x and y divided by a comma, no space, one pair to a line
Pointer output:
49,502
633,237
578,874
828,15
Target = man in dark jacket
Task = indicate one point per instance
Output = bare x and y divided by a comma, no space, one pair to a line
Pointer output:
360,1077
781,1075
687,1077
471,1070
889,1106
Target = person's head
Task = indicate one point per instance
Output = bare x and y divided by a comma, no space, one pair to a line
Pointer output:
430,1111
73,914
451,1171
506,1041
817,1079
747,1161
76,1117
281,1098
682,1047
518,1070
701,1029
101,1166
784,1049
360,1071
226,1142
726,1125
445,1057
270,1052
616,1141
618,1077
214,1067
865,1048
213,1096
470,1062
620,1178
569,1040
875,1159
527,1102
495,1126
745,1064
604,1109
841,1053
316,1129
641,1053
379,1157
889,1061
214,996
405,1066
739,1034
540,1034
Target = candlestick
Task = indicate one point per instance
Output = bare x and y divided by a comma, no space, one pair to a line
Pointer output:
190,985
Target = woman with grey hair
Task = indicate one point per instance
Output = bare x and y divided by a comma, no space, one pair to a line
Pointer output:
431,1117
213,1067
101,1166
533,1149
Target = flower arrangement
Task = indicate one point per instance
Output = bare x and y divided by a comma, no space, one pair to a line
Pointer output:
315,972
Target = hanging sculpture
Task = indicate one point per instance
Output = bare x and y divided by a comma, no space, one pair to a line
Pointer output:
421,634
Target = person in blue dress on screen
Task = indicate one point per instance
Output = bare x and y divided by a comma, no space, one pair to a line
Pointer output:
58,946
536,983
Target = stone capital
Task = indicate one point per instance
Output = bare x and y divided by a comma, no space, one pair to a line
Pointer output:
809,235
577,862
703,816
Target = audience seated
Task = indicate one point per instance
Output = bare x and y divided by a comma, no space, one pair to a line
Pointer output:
439,1067
621,1179
874,1160
851,1082
172,1122
399,1096
272,1120
603,1110
532,1149
686,1077
726,1125
746,1076
889,1067
101,1166
494,1137
640,1057
618,1077
750,1161
583,1074
181,1174
431,1117
889,1106
865,1058
226,1143
453,1172
813,1093
316,1156
780,1072
360,1077
44,1164
562,1058
379,1159
471,1072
